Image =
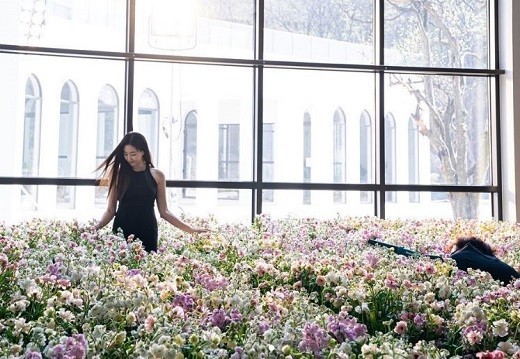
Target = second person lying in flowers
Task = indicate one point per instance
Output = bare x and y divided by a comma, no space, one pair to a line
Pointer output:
472,252
134,185
468,252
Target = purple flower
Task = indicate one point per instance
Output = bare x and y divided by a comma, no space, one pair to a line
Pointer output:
263,326
33,355
185,301
75,347
133,272
315,339
419,319
236,316
238,354
346,328
219,318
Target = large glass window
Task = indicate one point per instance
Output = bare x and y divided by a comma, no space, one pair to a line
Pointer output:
199,78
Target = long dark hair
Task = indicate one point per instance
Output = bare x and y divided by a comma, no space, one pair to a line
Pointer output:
475,242
115,170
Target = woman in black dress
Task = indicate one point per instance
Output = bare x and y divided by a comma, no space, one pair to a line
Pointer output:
134,182
472,252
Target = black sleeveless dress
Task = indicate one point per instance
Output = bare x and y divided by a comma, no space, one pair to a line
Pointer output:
135,213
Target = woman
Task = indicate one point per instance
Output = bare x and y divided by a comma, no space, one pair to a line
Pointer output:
472,252
135,183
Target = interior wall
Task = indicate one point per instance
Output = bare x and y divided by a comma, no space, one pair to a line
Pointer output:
510,106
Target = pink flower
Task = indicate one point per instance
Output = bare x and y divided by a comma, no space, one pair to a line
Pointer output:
473,336
497,354
401,327
149,323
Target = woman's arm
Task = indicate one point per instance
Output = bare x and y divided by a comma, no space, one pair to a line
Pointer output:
109,212
163,206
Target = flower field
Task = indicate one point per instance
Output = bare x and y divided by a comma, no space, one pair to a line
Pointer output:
279,288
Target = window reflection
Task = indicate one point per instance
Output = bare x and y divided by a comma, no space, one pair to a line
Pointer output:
31,141
229,158
107,129
390,156
268,160
339,153
148,121
189,168
365,155
307,160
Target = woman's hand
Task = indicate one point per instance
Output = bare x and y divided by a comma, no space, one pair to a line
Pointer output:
199,230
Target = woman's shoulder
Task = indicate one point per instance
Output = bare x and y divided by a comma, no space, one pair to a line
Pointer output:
157,174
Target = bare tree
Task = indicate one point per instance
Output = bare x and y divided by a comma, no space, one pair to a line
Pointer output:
448,34
450,111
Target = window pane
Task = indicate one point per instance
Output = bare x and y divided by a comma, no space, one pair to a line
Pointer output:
88,77
447,33
220,96
196,28
147,122
320,30
206,202
290,94
449,205
322,204
93,25
17,207
452,116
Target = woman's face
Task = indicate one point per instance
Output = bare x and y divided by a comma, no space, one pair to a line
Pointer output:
134,157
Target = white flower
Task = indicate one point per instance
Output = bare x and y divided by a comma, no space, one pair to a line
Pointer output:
66,315
500,328
508,348
158,350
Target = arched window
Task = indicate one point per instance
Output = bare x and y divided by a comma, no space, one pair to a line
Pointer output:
365,155
339,153
413,158
31,141
189,166
107,123
148,121
67,143
306,155
390,165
